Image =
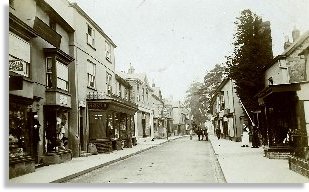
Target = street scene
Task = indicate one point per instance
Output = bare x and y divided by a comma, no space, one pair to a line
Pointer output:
157,92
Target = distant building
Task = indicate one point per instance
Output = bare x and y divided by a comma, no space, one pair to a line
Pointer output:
180,119
141,95
227,112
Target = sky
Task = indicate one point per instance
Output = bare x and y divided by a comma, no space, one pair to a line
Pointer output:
175,42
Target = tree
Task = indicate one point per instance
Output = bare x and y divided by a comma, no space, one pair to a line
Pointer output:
252,53
197,108
199,94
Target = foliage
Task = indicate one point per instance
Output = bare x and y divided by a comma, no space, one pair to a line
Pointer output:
199,94
252,53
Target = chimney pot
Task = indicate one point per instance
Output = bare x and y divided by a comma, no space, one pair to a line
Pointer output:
295,34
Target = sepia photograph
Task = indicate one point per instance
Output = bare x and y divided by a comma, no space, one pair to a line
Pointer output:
156,92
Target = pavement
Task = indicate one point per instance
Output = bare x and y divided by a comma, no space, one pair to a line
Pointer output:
78,166
248,165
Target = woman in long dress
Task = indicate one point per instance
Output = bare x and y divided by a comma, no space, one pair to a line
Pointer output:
245,137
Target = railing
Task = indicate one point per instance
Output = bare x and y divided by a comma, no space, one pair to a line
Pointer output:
101,95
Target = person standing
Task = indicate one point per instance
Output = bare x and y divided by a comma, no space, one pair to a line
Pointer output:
245,137
191,134
218,132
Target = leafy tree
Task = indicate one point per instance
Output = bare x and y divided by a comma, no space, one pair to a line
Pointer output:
252,53
199,94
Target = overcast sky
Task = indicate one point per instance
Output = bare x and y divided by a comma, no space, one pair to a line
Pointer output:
176,41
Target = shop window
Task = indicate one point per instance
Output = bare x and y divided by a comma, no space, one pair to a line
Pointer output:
116,125
19,135
110,126
132,126
56,130
91,71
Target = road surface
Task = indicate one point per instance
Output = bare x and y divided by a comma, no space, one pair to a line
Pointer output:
178,161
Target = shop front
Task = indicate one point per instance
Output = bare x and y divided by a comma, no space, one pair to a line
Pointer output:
279,118
22,137
111,123
56,129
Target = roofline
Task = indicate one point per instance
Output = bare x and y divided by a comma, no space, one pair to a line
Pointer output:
99,29
54,14
290,49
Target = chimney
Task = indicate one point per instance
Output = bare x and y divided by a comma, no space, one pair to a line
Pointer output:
153,85
287,42
295,34
131,69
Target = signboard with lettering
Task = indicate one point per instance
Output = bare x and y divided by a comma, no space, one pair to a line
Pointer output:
16,65
97,105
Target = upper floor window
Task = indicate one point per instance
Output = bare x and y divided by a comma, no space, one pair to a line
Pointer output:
108,49
49,72
62,72
90,36
119,90
91,69
52,24
143,95
62,76
109,83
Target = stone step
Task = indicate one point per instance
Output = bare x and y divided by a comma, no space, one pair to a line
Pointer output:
85,154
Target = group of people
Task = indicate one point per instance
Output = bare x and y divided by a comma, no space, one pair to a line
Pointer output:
201,133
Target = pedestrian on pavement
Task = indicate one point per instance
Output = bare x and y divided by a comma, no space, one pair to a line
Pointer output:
191,134
206,134
199,133
255,138
218,132
245,136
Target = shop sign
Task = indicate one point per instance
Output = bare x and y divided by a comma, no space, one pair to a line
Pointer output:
16,65
97,105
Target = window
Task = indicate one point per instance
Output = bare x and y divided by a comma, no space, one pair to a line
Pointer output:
62,76
119,91
109,83
108,51
91,74
90,36
52,24
137,94
143,95
49,67
11,3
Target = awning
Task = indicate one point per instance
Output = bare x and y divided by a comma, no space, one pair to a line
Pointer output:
278,89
